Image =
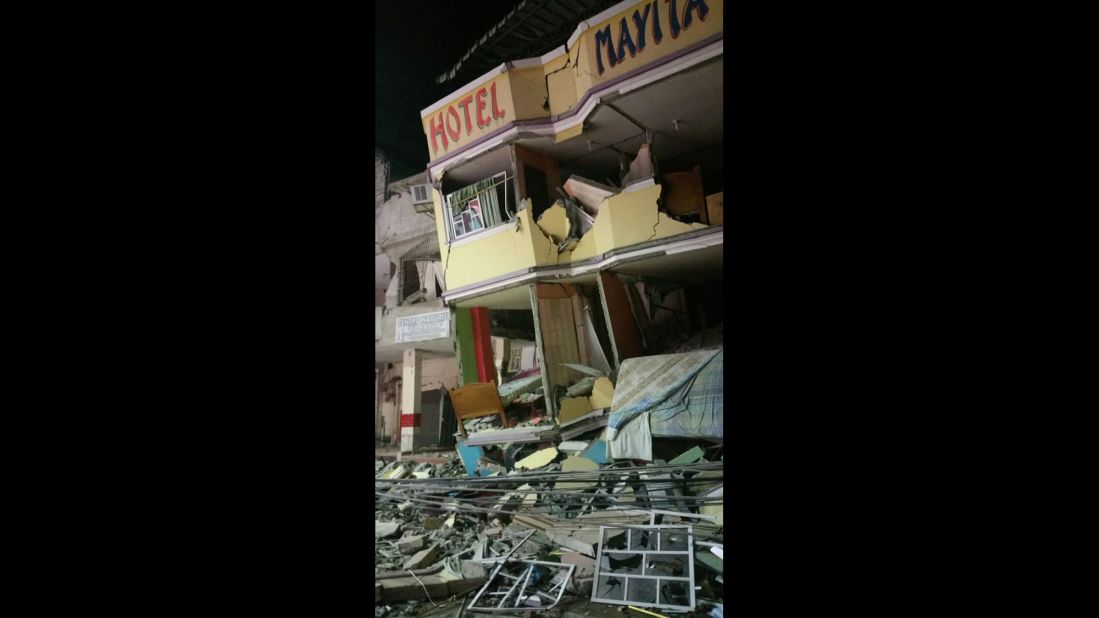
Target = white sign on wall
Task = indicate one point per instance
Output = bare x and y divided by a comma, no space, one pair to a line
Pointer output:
423,327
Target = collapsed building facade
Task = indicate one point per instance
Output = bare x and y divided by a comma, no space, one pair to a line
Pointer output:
577,201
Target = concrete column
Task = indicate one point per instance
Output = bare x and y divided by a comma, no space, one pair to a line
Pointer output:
410,399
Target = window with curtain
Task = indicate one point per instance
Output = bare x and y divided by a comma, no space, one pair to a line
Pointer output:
477,206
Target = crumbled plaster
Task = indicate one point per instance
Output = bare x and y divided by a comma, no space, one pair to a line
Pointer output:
628,219
555,222
624,219
545,249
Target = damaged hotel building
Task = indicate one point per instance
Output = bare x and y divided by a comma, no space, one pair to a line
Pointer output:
577,200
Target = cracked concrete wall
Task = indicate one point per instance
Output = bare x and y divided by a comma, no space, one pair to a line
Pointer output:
624,219
555,222
628,219
521,244
398,228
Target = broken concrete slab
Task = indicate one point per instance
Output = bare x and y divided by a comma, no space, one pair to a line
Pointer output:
471,569
438,581
409,588
422,558
509,391
386,529
531,521
582,541
585,566
641,168
410,545
588,193
602,393
554,222
573,408
572,447
529,499
577,464
537,460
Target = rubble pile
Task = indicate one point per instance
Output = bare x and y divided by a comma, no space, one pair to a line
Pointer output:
539,518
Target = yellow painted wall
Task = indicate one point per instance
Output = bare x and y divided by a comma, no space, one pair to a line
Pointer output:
561,74
624,219
555,222
589,75
528,92
628,219
484,257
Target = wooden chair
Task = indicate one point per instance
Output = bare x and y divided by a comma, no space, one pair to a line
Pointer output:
474,401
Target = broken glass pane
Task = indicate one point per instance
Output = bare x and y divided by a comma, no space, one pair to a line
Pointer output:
629,564
642,591
612,588
674,566
673,540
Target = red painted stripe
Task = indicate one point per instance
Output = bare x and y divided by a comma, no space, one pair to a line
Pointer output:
410,420
482,344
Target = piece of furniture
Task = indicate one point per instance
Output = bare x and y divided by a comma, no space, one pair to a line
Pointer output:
683,194
474,401
715,208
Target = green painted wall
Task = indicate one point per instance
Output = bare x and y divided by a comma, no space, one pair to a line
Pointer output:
463,342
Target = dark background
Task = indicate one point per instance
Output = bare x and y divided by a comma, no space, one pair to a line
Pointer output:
200,325
415,42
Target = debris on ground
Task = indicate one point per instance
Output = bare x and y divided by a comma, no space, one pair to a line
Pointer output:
546,514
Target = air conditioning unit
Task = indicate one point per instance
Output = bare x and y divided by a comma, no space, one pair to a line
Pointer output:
421,196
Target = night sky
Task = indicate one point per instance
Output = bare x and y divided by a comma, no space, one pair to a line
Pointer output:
415,41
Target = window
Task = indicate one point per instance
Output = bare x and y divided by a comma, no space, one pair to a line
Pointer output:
478,206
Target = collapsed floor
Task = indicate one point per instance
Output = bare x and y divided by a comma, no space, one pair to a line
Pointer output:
614,506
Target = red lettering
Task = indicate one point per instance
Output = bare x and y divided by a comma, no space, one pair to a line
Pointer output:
482,122
496,111
455,132
464,104
437,130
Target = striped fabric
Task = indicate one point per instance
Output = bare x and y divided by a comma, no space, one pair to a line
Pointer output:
697,409
660,384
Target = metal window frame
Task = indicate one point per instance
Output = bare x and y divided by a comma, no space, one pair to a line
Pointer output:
450,230
687,554
525,579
